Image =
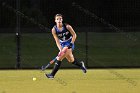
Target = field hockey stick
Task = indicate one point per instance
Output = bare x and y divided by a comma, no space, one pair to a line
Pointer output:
52,61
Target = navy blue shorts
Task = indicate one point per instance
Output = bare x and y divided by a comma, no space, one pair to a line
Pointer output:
66,44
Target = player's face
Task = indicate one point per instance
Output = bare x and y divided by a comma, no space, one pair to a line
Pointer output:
58,19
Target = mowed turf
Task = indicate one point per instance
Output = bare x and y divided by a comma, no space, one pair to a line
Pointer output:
71,81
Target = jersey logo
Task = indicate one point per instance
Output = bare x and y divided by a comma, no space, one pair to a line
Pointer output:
64,34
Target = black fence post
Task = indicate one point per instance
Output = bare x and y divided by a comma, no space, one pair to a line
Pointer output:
18,35
86,33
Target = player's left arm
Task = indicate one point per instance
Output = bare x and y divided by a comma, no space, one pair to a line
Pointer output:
69,27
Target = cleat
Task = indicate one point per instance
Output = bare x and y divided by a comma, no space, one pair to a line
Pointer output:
83,67
50,76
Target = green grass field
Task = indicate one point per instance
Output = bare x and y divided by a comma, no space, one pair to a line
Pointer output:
71,81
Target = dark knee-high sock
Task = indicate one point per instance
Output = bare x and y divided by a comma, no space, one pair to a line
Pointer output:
56,67
75,62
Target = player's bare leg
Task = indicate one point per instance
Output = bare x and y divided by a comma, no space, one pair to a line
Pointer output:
63,54
57,63
71,59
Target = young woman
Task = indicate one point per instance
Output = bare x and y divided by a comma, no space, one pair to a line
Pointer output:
65,37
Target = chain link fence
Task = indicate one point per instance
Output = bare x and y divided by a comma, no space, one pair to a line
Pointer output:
106,37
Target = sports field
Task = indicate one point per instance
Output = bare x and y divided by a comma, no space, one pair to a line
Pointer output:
71,81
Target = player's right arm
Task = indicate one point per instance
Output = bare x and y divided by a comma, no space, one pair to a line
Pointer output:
56,39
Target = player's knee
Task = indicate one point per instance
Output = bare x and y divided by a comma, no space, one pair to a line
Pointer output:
59,59
70,60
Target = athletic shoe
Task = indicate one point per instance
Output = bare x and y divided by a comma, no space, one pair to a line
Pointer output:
50,76
83,67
